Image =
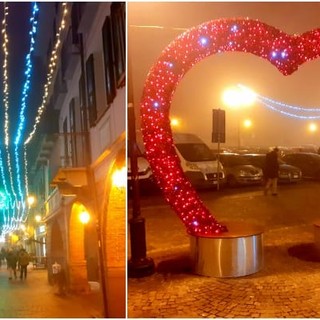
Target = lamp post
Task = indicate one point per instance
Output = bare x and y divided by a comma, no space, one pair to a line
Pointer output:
139,265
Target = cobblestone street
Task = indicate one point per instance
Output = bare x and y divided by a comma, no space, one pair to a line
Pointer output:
35,298
286,287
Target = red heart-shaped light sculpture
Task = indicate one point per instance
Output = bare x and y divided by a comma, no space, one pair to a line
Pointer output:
285,52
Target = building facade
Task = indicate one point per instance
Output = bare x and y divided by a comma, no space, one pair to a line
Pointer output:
79,168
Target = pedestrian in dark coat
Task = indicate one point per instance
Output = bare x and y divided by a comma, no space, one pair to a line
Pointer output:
272,171
23,260
12,260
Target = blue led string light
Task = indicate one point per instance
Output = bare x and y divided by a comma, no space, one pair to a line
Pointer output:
25,92
293,111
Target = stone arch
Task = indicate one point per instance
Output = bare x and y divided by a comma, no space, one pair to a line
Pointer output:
56,248
78,278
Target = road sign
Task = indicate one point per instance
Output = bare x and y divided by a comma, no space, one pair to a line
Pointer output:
218,125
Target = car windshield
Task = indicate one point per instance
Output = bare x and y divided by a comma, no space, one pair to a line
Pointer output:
256,160
233,160
195,152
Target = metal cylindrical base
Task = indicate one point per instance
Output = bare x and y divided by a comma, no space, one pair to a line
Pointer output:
236,253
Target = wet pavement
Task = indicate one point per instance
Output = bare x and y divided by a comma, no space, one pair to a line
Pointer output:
35,298
286,287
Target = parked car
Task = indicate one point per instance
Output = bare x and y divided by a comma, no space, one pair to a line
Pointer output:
199,164
239,171
287,173
309,163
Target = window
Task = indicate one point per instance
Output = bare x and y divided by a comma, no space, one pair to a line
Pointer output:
108,61
66,139
118,36
91,90
73,132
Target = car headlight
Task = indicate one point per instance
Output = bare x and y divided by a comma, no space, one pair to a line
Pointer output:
243,173
192,165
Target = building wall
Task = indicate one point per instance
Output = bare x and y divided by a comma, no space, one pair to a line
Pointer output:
105,202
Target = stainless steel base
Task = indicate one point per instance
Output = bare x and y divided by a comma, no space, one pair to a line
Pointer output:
236,253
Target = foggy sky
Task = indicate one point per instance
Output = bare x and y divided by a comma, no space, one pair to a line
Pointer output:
201,88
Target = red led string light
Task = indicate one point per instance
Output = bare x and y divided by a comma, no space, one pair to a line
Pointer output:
285,52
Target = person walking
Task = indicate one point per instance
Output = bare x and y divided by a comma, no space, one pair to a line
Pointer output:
24,260
12,260
272,172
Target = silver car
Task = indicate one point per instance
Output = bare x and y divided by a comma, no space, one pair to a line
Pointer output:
239,172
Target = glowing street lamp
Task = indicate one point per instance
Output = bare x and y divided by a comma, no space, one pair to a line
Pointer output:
31,200
312,127
175,122
237,97
247,123
119,178
84,217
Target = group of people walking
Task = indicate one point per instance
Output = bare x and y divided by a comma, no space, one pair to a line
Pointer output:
17,260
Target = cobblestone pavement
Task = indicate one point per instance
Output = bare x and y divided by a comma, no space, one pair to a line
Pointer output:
35,298
286,287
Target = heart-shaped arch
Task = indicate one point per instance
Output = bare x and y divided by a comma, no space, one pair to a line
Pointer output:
284,51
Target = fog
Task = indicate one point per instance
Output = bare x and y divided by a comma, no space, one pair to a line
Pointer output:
201,89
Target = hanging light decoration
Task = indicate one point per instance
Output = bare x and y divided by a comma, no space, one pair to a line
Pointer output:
283,51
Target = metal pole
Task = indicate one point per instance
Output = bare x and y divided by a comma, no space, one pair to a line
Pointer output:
139,265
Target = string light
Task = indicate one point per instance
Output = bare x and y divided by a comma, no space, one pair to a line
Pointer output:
298,112
52,68
283,51
25,92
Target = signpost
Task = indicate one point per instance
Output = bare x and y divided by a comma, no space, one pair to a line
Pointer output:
218,133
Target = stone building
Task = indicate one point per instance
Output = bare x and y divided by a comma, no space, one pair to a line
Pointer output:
79,149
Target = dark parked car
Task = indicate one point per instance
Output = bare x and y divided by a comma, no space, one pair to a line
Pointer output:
239,172
309,163
287,172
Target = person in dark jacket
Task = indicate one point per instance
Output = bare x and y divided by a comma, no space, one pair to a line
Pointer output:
272,172
23,260
12,260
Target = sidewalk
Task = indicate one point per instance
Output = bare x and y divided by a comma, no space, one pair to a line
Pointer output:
35,298
286,287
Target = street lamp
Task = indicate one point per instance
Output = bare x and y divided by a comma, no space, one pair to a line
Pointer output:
175,122
238,97
84,217
119,178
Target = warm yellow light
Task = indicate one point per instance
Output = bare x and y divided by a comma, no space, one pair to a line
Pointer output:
31,200
313,127
37,218
14,238
239,96
22,227
175,122
247,123
84,217
119,177
230,97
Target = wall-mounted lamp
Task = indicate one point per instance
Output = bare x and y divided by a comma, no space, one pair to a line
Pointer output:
119,178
